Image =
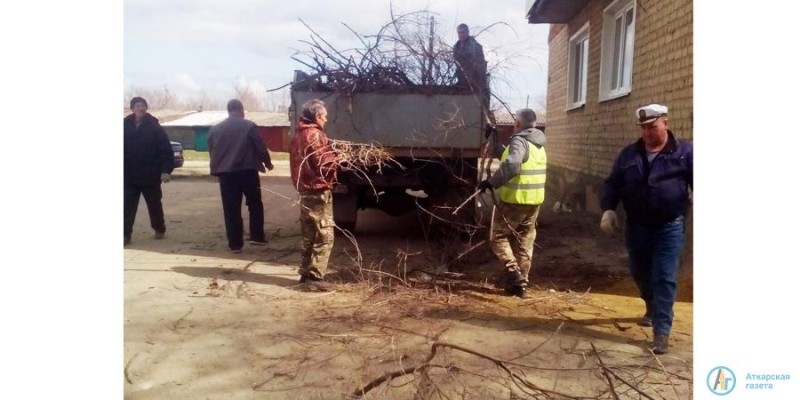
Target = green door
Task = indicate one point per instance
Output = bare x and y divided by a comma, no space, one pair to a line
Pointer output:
201,138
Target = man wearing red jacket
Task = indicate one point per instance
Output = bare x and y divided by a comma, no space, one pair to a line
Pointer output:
313,170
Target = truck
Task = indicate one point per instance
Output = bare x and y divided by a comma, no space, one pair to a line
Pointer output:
435,133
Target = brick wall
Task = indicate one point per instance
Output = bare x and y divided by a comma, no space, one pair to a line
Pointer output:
583,143
588,139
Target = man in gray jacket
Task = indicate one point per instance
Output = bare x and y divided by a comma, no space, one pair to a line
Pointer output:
238,153
518,186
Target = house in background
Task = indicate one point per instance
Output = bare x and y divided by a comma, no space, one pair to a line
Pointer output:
606,59
163,115
192,130
273,127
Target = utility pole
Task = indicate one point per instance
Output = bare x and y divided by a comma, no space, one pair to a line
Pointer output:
528,101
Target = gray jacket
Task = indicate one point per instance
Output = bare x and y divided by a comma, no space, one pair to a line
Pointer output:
236,145
517,154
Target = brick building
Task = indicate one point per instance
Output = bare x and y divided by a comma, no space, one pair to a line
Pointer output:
608,57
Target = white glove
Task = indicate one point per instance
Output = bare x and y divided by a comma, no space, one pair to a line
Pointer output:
608,223
164,178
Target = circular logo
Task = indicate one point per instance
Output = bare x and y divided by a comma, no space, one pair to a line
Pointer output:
721,380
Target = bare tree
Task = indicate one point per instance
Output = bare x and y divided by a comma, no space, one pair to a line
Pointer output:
247,95
202,102
277,100
157,99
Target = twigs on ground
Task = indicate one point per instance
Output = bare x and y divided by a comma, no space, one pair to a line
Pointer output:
466,201
630,385
519,380
605,372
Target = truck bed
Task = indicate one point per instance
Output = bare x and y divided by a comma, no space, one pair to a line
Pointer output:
408,121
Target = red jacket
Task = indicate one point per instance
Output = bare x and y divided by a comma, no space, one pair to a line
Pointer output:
311,159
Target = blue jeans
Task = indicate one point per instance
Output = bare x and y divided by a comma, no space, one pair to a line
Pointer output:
654,254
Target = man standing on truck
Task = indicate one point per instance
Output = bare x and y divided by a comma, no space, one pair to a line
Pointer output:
313,170
238,153
470,63
519,184
148,161
652,177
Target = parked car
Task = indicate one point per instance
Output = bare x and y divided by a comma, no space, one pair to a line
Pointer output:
177,150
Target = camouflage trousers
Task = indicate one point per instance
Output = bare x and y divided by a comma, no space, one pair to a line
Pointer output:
316,226
513,234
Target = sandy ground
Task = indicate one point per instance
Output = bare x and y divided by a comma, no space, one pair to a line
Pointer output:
202,323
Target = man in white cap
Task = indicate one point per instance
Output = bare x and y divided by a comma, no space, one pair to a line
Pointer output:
652,177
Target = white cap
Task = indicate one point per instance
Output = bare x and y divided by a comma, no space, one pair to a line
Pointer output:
650,113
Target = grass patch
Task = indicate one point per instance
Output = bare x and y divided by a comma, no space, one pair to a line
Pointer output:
195,155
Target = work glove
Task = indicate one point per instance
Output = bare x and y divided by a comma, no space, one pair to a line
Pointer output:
608,223
164,178
483,185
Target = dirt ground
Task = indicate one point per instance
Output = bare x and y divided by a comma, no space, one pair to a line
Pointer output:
203,323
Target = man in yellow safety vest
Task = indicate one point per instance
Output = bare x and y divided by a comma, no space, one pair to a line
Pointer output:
519,184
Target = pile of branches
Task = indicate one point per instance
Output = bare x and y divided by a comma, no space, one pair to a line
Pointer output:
352,156
406,52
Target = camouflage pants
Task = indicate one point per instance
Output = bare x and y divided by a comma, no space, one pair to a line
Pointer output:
513,233
316,226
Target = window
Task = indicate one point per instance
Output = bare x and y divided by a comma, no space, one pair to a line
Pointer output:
616,64
578,68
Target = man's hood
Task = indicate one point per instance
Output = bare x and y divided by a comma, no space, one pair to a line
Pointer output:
533,135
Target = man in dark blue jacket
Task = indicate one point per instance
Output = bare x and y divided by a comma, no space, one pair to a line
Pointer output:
148,161
652,177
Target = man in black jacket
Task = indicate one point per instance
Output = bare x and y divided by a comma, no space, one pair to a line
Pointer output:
238,153
148,161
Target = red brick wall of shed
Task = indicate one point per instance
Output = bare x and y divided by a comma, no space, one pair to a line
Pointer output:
276,137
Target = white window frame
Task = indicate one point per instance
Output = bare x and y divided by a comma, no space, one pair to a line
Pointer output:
616,60
577,76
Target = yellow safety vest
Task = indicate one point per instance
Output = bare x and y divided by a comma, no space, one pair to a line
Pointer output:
528,186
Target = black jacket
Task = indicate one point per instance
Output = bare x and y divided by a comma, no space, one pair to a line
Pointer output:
147,151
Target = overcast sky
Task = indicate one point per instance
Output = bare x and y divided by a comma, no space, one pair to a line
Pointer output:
203,46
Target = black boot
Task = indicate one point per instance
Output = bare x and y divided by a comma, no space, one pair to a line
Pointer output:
315,284
647,319
660,343
520,290
514,283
